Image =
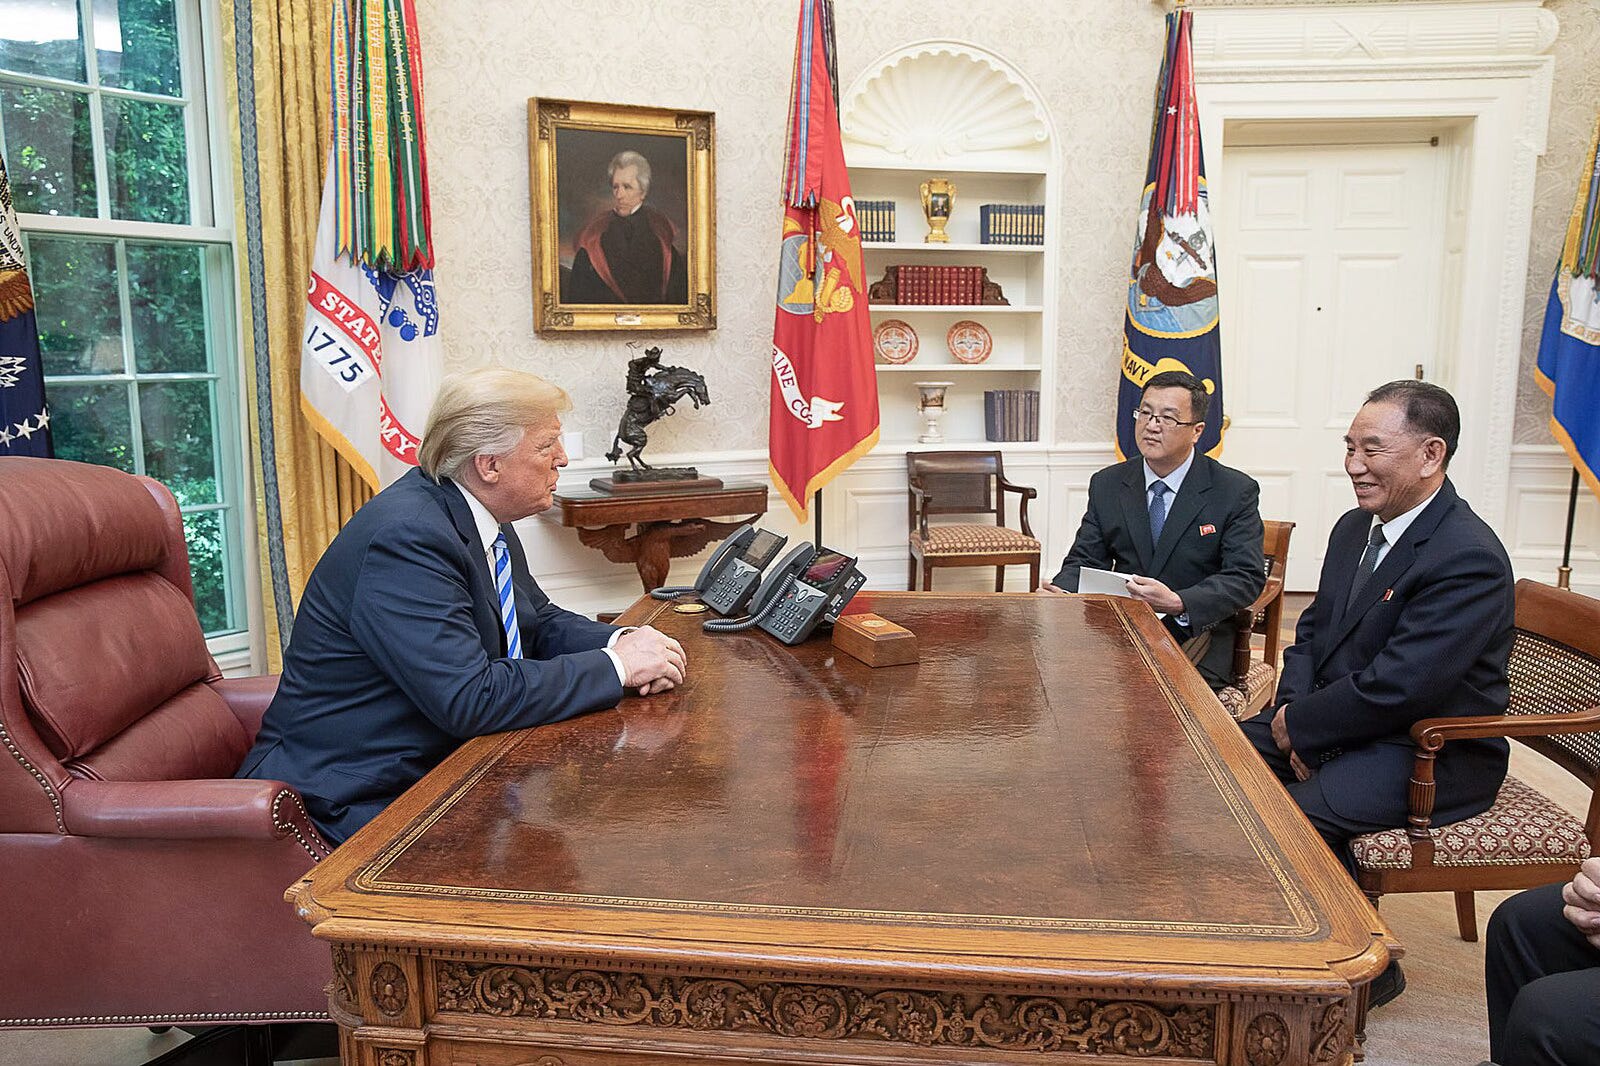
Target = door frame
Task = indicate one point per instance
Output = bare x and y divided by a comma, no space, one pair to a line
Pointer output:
1481,69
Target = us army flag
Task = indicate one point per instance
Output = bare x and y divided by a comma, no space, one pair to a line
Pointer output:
371,358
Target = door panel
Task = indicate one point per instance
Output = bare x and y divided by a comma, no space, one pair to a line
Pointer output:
1329,259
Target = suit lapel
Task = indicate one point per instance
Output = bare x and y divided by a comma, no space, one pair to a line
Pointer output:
1136,512
1396,561
485,601
1185,507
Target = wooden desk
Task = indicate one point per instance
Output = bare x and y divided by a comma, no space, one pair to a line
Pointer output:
1032,846
670,524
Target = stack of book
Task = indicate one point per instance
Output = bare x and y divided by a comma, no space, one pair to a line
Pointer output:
1011,224
1011,414
939,284
876,219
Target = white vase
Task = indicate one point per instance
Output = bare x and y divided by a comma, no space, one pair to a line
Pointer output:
931,404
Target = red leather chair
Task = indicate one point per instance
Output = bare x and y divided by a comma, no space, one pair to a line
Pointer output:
142,884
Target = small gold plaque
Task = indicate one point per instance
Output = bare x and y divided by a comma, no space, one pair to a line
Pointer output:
689,608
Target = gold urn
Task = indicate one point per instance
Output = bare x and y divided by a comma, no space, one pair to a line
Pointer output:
938,197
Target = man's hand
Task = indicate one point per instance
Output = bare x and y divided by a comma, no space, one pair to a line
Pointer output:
1155,594
654,661
1582,898
1049,589
1280,737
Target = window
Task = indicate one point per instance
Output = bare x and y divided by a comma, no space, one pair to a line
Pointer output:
108,146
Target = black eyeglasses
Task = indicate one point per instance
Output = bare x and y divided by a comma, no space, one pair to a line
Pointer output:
1167,421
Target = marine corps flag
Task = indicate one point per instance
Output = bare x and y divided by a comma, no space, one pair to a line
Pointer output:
824,392
1569,351
371,359
1171,322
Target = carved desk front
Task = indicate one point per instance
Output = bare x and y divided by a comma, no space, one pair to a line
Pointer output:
1044,842
665,525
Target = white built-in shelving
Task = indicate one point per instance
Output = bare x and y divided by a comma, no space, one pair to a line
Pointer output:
944,109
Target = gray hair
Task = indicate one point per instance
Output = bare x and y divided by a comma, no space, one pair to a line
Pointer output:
630,158
484,412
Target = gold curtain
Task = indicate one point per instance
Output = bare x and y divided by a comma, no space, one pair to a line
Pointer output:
276,55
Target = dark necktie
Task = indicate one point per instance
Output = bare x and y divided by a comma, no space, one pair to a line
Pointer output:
1158,509
1369,561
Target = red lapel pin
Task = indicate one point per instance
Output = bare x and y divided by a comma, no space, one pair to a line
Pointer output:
1388,594
1207,530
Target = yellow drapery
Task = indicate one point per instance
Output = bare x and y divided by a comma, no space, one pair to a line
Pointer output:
276,55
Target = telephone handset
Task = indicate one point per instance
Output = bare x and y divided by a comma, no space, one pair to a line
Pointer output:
816,596
806,588
766,597
729,576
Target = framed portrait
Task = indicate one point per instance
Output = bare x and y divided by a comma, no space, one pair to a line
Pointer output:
624,217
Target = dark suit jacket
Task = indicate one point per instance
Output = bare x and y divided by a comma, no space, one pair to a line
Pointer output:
397,655
1428,636
1215,573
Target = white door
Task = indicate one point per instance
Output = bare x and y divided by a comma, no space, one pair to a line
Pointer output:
1330,258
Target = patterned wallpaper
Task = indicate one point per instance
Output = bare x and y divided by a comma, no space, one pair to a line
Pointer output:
1093,62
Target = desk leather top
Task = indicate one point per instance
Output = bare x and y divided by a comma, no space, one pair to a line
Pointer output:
1051,790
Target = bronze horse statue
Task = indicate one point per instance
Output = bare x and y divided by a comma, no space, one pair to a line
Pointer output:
653,389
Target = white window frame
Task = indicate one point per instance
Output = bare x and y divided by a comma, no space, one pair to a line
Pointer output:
211,197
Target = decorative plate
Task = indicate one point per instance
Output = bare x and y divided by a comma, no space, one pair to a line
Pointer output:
894,341
969,342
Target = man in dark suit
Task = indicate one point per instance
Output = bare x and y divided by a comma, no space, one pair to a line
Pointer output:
1183,526
421,626
1412,619
627,254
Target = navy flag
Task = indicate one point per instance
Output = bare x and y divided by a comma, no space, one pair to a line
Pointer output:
24,419
1569,350
1171,322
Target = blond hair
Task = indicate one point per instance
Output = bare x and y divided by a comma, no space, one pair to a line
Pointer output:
484,412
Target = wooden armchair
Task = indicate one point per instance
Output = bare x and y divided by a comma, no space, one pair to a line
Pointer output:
966,483
1525,839
1256,681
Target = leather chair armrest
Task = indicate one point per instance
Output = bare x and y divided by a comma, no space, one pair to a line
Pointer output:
247,698
189,810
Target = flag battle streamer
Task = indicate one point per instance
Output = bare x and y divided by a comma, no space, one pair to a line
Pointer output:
1568,367
824,411
1171,321
24,416
371,358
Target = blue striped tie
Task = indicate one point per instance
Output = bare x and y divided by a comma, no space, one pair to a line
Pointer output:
508,603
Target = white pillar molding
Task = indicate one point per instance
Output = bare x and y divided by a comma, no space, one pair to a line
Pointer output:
1480,69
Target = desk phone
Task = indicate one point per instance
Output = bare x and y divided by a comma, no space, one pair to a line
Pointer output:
730,575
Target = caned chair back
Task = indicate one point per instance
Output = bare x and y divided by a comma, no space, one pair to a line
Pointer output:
1555,669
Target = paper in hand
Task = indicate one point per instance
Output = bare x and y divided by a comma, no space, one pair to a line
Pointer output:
1105,583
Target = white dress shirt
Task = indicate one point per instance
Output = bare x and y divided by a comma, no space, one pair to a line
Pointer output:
1396,527
1174,482
488,530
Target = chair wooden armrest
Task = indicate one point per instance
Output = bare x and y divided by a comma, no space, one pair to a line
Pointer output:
920,500
1431,734
1244,623
1027,492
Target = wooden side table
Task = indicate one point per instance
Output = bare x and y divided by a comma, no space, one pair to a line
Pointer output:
670,524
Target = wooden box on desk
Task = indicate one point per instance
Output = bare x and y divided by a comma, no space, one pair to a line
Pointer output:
875,640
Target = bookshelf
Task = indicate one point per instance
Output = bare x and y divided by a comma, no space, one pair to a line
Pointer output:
945,109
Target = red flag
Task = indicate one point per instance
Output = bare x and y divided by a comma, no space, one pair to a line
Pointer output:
824,391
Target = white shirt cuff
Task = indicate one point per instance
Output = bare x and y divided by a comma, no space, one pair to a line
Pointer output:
616,660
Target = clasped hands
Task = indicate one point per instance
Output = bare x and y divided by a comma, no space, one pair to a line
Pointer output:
1280,737
1582,899
1148,589
654,661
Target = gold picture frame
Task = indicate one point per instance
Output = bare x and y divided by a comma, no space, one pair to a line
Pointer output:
611,185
